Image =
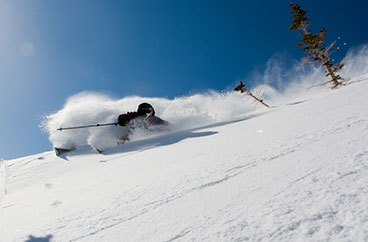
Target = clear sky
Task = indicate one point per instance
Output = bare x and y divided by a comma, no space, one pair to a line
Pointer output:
50,50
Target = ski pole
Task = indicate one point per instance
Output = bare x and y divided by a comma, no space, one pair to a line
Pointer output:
87,126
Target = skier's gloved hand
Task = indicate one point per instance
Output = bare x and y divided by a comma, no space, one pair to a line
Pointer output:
123,119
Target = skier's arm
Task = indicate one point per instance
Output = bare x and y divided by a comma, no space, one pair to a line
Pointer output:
124,119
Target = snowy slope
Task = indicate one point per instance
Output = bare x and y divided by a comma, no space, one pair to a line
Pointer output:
296,172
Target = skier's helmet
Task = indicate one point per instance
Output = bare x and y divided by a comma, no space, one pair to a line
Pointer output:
146,109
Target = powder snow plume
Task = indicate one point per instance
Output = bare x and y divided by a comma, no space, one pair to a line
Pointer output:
92,108
278,84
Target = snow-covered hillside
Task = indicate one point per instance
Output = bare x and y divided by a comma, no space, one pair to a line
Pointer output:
228,170
296,172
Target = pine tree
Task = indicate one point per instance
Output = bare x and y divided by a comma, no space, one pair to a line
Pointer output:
313,45
243,89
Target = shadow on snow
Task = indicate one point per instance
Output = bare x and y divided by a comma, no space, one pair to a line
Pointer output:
32,238
160,140
170,138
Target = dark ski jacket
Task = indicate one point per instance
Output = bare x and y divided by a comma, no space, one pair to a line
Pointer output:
124,119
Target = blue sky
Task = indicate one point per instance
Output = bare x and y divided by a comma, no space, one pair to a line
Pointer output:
50,50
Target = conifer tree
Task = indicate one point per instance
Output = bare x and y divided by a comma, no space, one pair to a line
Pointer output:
313,45
243,89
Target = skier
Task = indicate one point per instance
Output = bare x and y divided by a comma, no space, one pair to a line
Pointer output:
143,118
145,113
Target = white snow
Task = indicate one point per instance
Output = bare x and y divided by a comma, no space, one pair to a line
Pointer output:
295,172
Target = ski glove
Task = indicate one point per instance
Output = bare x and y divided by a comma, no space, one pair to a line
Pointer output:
124,119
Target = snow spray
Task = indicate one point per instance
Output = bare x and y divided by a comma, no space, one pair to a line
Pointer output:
281,82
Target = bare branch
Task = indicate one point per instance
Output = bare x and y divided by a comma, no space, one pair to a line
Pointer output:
242,88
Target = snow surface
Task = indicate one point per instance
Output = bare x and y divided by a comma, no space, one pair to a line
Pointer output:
295,172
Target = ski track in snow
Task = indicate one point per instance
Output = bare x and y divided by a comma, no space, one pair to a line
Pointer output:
308,183
311,221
